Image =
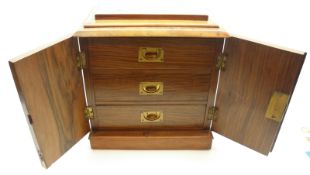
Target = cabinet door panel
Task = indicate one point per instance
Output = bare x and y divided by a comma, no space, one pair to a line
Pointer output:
253,72
51,92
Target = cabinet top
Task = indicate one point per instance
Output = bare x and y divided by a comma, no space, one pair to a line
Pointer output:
155,25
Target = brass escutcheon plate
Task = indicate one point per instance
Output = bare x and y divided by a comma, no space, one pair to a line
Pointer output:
277,106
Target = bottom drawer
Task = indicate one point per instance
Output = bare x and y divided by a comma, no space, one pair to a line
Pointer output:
149,117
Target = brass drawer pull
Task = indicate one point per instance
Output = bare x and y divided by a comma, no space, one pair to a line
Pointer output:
151,88
150,54
152,116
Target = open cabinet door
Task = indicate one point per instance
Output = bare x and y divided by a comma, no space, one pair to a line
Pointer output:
51,91
254,92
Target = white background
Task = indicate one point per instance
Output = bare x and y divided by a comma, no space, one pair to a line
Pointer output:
26,25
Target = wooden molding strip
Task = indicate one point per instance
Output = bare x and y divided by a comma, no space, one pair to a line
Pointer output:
150,16
152,32
149,23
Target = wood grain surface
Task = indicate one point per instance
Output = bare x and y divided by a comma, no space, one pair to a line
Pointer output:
151,140
252,73
115,73
128,117
179,53
51,91
122,85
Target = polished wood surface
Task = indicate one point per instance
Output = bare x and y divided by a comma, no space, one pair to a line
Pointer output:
168,32
150,17
273,45
193,54
252,73
120,85
149,23
50,89
115,25
115,73
151,140
50,86
128,117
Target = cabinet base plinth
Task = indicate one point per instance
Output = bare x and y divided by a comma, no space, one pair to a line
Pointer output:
151,140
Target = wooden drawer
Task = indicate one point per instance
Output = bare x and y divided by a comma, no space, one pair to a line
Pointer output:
129,117
195,54
123,86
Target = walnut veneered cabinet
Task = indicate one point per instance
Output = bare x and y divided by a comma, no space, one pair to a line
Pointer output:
154,82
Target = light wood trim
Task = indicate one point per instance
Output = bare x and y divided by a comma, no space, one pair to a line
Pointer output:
152,32
150,23
151,140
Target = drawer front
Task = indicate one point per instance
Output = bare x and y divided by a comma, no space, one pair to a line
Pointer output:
149,117
150,86
160,53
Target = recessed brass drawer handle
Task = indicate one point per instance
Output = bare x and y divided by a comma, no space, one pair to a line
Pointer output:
152,116
151,88
150,54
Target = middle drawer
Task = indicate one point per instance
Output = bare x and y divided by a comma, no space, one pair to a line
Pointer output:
132,86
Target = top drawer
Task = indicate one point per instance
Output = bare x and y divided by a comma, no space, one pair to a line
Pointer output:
177,53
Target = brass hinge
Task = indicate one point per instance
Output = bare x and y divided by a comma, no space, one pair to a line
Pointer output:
221,60
89,112
212,113
81,60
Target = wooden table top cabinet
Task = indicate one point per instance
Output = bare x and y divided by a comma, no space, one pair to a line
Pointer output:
154,82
